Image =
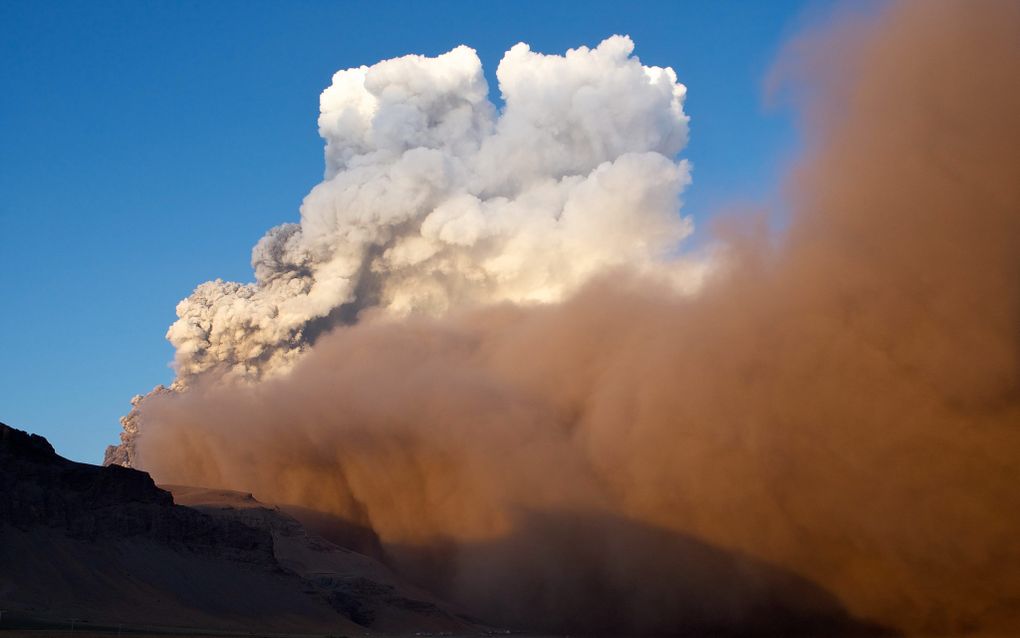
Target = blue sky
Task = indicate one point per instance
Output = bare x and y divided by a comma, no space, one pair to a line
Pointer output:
146,146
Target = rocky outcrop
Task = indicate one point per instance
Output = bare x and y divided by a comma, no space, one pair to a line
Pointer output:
88,502
107,544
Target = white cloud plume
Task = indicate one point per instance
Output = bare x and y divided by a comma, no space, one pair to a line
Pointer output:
433,198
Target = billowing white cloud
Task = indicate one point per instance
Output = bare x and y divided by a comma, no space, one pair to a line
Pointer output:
434,198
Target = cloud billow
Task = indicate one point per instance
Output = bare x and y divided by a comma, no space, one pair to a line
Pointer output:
433,199
539,421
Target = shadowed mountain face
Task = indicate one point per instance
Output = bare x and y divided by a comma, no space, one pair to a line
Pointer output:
106,544
39,489
358,586
592,573
598,574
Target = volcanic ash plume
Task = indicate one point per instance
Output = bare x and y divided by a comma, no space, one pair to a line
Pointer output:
433,199
826,429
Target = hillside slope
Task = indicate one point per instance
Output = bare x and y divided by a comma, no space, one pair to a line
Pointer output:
105,544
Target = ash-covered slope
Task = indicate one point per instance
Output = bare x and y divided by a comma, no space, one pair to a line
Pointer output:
105,544
361,587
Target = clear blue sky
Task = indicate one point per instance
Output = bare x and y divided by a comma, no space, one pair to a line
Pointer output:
146,146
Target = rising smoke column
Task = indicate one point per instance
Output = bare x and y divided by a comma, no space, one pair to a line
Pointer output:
433,199
841,402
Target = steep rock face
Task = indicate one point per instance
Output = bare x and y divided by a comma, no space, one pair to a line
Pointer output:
87,502
106,544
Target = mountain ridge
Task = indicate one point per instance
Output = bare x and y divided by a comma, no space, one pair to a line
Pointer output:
105,543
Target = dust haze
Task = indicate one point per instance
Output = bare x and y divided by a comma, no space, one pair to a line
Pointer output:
832,417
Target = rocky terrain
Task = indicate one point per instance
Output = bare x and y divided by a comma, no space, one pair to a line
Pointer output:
105,544
360,587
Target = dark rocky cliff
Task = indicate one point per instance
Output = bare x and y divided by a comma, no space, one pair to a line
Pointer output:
106,544
88,502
